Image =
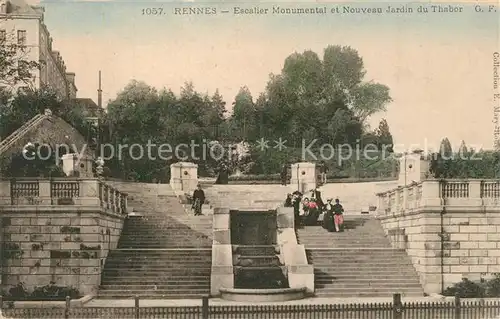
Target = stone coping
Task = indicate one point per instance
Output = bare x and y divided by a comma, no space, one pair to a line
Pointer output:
76,303
263,295
60,209
276,291
438,209
57,179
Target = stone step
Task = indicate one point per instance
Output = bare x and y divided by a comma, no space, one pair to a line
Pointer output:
394,278
321,274
182,285
332,264
164,265
158,277
257,261
162,246
167,253
154,281
344,293
333,269
159,259
256,250
166,272
146,295
357,258
166,292
150,266
345,245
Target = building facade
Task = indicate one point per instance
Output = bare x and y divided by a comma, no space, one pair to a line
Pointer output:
24,24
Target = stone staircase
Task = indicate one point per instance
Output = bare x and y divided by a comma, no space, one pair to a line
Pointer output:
358,262
162,251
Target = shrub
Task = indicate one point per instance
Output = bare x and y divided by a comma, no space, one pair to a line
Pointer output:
466,289
53,292
493,286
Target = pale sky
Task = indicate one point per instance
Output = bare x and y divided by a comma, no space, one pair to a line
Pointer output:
439,67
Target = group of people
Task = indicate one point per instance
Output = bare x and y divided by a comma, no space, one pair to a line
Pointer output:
307,210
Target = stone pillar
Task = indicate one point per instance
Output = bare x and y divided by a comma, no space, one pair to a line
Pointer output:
431,193
5,193
412,168
303,177
222,275
89,193
299,273
77,162
184,176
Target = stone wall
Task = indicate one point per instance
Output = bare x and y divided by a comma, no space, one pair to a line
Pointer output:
470,246
448,238
67,246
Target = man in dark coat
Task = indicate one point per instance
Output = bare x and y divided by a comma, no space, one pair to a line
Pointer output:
198,200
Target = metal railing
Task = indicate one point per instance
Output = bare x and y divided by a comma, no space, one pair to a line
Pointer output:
452,309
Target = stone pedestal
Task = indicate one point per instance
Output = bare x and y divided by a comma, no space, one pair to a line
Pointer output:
76,162
184,176
412,168
303,177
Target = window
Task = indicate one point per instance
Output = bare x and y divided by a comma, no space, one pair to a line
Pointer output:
21,37
3,36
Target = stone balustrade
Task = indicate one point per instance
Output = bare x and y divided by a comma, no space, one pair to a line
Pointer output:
87,193
436,193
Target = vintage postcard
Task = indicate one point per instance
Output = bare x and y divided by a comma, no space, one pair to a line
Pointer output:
213,159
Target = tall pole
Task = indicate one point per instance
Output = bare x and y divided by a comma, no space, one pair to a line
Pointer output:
99,92
405,167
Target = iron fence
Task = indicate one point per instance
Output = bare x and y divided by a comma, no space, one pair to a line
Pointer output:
457,309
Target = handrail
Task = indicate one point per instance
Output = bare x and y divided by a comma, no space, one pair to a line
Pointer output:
17,134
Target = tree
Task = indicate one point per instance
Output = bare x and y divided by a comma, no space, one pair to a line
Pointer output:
384,136
445,148
244,117
15,66
324,99
162,118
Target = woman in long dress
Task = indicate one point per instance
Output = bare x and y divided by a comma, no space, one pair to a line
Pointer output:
328,220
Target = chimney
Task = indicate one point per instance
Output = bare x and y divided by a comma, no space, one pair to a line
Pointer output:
99,92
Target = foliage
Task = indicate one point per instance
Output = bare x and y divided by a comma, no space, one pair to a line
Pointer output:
325,98
313,98
466,289
466,163
493,286
44,293
161,118
15,66
17,109
32,163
